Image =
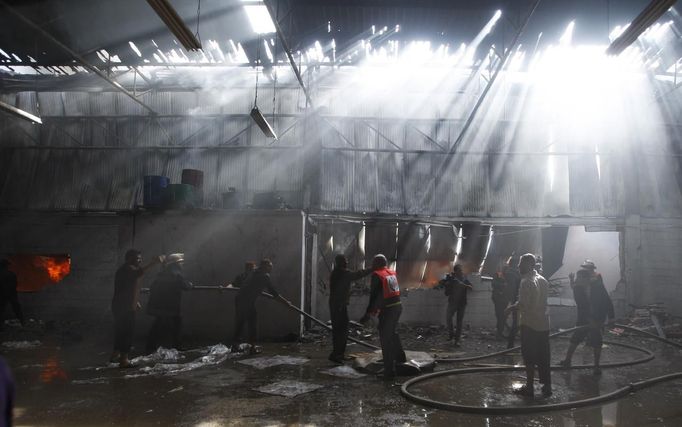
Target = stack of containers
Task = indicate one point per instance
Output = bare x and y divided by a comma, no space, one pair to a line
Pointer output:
159,193
154,189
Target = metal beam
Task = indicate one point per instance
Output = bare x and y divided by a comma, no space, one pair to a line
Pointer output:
345,149
644,20
493,78
18,112
287,50
152,147
449,221
74,54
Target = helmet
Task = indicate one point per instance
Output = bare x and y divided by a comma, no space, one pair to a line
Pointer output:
588,264
174,259
379,261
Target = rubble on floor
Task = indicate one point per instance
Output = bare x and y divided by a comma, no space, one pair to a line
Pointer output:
270,361
343,371
288,388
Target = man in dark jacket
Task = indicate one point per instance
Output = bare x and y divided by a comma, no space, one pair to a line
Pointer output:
244,277
125,303
384,300
245,302
164,304
8,292
456,287
339,296
594,307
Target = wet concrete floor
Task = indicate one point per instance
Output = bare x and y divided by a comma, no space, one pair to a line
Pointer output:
65,382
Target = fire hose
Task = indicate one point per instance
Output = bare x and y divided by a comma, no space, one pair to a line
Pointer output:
502,410
529,409
289,305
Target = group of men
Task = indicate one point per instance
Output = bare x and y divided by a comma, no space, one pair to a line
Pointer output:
164,303
384,303
527,305
519,291
594,307
165,300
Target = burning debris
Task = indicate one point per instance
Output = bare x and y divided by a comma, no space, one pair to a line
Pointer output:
35,272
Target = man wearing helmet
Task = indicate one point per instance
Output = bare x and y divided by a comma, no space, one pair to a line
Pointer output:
164,304
384,300
594,307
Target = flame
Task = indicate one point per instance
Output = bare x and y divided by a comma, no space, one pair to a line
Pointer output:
52,371
57,269
36,271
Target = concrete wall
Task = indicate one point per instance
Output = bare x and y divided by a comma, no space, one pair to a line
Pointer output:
653,250
216,244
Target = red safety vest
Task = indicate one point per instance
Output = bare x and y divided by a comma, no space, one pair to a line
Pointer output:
389,282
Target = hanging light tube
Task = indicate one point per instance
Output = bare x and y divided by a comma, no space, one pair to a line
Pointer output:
262,123
175,24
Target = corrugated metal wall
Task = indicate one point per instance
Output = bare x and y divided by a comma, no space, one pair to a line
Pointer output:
212,132
661,275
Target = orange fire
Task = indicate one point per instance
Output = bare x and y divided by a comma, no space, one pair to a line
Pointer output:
34,272
52,371
57,269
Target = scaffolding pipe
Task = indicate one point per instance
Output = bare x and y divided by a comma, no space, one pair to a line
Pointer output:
287,50
75,55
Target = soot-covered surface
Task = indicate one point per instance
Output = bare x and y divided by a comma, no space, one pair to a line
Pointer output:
67,381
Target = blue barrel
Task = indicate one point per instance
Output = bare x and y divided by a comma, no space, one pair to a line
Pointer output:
154,190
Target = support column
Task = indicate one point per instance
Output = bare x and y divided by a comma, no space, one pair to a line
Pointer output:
637,291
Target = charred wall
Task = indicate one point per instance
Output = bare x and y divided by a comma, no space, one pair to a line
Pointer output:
216,245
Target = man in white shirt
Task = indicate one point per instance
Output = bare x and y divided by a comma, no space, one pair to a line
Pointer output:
534,321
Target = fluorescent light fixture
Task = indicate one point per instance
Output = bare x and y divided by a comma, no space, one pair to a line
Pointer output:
17,112
262,123
644,20
175,24
260,20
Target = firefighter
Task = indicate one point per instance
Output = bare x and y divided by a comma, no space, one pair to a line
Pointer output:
125,303
245,303
384,300
339,296
165,302
456,287
8,292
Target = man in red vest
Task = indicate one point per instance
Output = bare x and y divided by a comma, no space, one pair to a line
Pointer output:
384,300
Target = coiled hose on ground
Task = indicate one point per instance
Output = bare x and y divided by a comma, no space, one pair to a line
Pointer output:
529,409
505,410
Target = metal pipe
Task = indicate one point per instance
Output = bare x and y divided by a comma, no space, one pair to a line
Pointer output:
283,301
75,55
18,112
287,50
491,82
